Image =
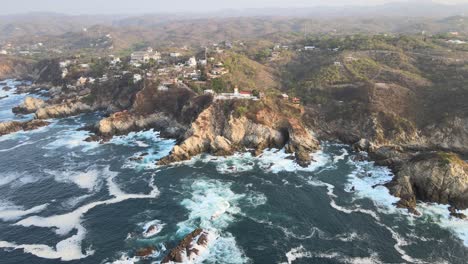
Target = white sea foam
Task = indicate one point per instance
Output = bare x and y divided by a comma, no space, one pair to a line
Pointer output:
371,186
297,253
300,253
71,139
139,139
150,142
22,144
213,207
7,178
10,212
400,242
86,180
70,248
278,160
271,160
440,214
342,156
125,260
208,197
368,180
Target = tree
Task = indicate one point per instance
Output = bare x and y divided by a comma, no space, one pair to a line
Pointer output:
255,93
218,85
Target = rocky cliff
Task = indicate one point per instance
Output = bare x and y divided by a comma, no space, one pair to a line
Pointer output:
11,68
63,110
15,126
434,177
30,105
219,130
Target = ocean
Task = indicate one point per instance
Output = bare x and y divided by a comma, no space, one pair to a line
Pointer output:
64,200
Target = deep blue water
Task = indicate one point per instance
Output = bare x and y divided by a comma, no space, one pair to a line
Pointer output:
63,200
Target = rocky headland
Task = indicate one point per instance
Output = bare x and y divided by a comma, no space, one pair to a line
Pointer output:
404,121
15,126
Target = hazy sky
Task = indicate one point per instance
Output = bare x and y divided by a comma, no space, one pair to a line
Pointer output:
167,6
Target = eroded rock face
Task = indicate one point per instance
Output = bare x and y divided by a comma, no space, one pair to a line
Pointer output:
14,126
220,133
434,177
30,105
124,122
63,110
452,134
301,142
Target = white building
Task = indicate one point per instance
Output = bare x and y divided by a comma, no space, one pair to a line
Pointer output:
163,88
174,54
236,95
115,61
64,64
64,73
3,52
81,81
309,48
137,78
202,62
192,62
144,56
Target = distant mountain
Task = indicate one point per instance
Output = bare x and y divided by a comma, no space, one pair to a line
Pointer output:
412,17
398,9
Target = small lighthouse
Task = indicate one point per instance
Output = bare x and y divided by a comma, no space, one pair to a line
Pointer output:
236,90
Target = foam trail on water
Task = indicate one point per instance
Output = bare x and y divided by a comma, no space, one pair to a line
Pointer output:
368,181
342,156
85,180
12,213
301,253
400,242
72,139
441,215
70,248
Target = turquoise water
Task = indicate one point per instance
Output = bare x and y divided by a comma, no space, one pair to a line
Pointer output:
63,200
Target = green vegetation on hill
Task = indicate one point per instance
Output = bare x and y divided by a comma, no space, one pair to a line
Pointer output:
244,73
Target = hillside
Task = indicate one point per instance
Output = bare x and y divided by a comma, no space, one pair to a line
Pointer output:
390,90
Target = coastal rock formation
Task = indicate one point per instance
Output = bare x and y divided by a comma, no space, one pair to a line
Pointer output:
11,67
63,110
301,142
30,105
220,132
15,126
438,177
190,248
124,122
451,134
